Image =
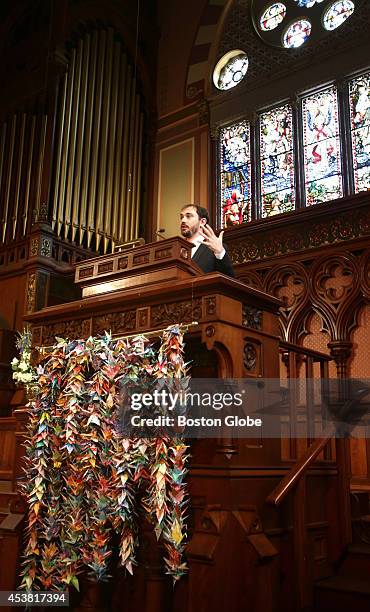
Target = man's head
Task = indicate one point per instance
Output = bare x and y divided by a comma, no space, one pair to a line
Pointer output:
193,217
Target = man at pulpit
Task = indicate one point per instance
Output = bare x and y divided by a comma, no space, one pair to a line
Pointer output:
208,250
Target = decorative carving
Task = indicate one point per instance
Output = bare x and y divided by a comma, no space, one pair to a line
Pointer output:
252,279
184,253
46,247
116,322
163,253
85,272
80,328
210,331
40,214
251,317
289,284
334,280
140,259
341,351
348,226
176,312
86,328
105,267
143,317
31,292
36,336
34,248
249,357
123,263
210,303
364,266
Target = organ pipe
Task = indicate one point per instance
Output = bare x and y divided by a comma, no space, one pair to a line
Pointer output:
98,184
97,151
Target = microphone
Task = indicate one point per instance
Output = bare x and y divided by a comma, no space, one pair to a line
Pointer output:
160,232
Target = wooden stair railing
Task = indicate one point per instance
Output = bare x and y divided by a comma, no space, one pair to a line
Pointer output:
298,471
294,482
292,478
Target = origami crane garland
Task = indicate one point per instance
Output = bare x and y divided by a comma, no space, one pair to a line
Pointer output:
83,477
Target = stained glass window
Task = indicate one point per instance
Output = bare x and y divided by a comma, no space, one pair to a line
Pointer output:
233,72
307,3
337,13
235,175
359,95
272,16
230,69
277,163
297,34
322,155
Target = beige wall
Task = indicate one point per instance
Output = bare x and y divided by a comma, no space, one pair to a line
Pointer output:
175,184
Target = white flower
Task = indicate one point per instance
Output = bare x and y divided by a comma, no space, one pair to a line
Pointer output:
24,366
14,361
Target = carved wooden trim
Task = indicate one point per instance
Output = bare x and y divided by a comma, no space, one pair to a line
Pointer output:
250,357
80,328
251,317
175,312
298,233
336,286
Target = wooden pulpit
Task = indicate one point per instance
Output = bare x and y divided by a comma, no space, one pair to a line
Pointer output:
235,335
155,285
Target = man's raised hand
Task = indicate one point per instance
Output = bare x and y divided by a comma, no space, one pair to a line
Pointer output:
213,242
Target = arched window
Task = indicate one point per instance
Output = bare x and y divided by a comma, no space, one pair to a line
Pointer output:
321,146
277,160
313,144
235,174
359,96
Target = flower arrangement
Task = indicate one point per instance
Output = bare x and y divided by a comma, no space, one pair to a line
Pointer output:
23,371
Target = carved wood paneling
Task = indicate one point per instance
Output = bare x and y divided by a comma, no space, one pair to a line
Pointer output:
186,311
302,232
251,317
115,322
290,284
79,328
311,268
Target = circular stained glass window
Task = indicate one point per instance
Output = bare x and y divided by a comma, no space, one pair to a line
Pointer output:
307,3
337,13
297,34
230,69
272,16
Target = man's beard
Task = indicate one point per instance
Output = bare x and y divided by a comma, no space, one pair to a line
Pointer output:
186,232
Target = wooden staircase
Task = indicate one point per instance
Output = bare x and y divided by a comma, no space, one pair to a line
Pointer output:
349,587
